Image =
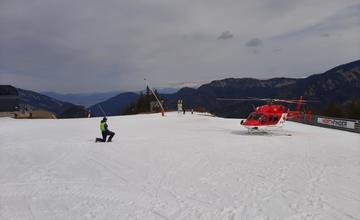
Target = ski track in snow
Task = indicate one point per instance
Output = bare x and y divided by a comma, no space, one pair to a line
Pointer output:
176,167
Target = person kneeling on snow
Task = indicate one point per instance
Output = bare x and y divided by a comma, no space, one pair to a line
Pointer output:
105,132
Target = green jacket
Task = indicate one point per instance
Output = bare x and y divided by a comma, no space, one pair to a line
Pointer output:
103,126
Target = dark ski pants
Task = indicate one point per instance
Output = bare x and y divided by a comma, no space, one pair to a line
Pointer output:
105,134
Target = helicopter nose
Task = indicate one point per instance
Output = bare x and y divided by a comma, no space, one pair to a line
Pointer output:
251,122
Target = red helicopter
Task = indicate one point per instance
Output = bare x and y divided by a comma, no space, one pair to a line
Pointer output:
270,115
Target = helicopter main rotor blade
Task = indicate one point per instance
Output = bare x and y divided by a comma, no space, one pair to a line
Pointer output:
229,99
291,101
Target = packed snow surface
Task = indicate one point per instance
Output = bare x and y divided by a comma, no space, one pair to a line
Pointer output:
176,167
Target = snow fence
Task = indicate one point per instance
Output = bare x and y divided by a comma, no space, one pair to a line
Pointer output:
345,124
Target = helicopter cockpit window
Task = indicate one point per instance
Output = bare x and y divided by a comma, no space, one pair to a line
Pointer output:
263,119
251,116
258,116
255,116
270,118
276,118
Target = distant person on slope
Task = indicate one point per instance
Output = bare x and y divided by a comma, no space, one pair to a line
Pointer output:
180,106
105,132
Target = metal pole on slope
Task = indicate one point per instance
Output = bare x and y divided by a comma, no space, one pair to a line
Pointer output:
102,110
157,99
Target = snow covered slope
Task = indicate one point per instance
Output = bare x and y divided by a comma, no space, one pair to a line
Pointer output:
176,167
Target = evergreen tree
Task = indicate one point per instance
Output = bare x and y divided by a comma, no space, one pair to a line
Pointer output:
334,110
142,105
353,109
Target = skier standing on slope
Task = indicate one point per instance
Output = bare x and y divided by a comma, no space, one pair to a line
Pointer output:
105,132
179,106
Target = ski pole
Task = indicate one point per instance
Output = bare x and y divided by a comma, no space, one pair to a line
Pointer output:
161,106
102,110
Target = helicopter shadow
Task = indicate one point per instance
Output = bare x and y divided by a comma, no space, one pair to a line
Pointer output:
260,133
246,133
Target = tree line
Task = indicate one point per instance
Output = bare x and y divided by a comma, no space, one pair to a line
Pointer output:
337,110
142,105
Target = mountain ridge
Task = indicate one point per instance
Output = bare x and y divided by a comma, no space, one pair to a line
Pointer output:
339,84
84,99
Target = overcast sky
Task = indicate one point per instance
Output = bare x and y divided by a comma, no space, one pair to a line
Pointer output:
104,45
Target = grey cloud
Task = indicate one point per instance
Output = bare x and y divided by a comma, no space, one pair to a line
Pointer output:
225,35
281,6
255,42
325,35
92,45
344,19
186,84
